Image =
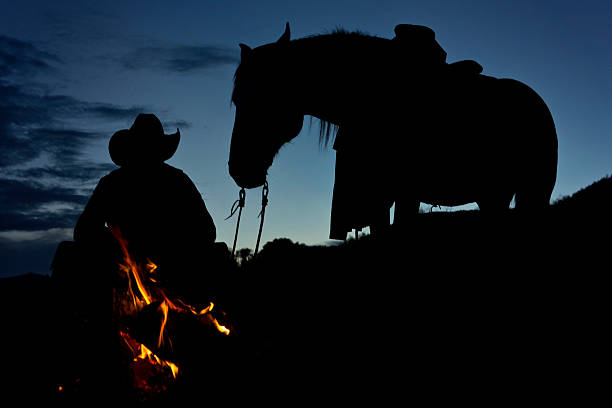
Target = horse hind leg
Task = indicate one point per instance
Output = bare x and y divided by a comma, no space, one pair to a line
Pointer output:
379,222
535,171
536,181
495,204
533,197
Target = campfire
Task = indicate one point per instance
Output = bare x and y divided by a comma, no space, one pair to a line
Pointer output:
143,299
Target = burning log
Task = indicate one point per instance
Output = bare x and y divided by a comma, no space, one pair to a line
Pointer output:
149,337
157,329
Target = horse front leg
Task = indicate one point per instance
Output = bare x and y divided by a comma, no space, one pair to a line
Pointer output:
379,223
405,208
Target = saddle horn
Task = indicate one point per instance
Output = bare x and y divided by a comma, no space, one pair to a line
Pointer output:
421,40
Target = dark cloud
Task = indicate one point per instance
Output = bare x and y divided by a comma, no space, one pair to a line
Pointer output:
28,195
78,174
112,112
32,124
41,197
181,59
64,146
177,124
31,205
21,58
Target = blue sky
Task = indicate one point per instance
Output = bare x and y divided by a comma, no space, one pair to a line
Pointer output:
73,72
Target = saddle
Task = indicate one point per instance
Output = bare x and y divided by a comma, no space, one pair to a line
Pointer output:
422,43
465,67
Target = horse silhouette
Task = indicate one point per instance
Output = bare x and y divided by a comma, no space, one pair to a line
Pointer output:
415,128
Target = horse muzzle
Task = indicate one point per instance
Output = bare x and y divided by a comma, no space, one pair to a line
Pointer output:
247,178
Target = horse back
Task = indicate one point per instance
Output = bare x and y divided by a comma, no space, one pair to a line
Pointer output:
477,134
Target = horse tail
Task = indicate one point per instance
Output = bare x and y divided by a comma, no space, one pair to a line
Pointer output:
536,151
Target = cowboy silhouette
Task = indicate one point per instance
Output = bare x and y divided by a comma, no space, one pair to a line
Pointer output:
156,207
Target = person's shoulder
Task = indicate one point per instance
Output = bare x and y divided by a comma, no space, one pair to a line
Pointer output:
112,175
178,175
173,170
115,172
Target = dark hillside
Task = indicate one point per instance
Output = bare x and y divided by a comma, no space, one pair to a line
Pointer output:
460,306
595,199
480,306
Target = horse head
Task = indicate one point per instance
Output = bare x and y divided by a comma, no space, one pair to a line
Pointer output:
266,112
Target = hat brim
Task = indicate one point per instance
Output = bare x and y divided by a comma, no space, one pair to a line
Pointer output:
170,144
124,148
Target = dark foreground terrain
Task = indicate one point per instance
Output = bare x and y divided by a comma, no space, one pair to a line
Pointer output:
458,307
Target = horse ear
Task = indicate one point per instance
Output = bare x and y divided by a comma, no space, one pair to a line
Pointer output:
286,37
245,50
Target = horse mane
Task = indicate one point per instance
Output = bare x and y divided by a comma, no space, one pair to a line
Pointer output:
328,130
340,32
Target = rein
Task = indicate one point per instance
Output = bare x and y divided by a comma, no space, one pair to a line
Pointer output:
264,202
239,204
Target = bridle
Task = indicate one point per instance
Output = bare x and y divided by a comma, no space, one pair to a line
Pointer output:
239,204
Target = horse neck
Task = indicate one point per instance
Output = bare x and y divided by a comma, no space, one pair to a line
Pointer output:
338,79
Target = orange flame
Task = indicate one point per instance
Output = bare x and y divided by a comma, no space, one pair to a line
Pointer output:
222,329
144,296
164,309
142,352
131,267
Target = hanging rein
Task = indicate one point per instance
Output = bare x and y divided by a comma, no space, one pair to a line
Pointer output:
239,204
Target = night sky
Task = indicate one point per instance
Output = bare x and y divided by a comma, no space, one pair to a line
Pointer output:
74,72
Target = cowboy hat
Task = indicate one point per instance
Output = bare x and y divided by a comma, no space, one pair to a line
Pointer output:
144,142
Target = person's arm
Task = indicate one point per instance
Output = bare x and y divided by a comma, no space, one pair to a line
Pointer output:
204,222
91,222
